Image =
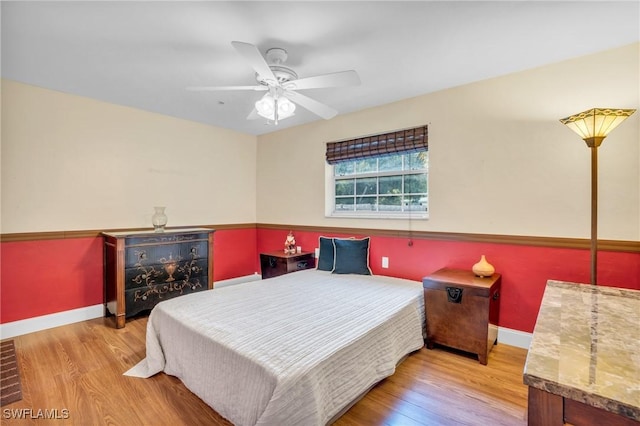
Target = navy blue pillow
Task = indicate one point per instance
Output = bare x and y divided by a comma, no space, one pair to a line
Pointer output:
351,256
326,256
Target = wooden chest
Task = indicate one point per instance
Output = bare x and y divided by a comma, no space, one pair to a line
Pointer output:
144,268
277,263
462,310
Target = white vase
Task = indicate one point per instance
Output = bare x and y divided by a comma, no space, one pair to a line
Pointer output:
159,219
483,268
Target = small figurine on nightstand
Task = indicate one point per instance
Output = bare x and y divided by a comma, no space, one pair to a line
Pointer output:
290,244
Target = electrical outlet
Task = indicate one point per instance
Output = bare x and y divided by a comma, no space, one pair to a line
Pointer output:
317,252
385,262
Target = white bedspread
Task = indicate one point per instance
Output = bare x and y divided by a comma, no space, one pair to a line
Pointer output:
291,350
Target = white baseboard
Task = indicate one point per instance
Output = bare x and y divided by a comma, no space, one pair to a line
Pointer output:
30,325
515,338
239,280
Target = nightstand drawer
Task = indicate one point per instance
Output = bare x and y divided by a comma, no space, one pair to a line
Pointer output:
300,264
276,263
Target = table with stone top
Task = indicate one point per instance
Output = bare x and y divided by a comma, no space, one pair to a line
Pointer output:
583,365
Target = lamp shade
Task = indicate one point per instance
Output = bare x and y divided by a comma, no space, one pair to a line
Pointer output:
268,104
594,124
265,106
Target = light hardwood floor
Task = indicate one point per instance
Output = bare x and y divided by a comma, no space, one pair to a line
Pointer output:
79,368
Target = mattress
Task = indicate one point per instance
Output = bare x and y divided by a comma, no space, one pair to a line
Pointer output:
290,350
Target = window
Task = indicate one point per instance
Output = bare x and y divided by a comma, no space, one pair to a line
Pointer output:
370,184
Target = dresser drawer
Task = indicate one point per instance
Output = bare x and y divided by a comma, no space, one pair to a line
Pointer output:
147,254
144,298
145,275
162,238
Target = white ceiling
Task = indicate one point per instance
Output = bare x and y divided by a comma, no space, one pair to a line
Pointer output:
144,54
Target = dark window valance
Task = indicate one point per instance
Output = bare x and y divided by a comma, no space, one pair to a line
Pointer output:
399,142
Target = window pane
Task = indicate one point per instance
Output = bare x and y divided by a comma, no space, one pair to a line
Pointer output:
416,161
416,203
415,183
390,203
390,163
366,204
366,186
343,169
367,166
345,203
390,185
345,186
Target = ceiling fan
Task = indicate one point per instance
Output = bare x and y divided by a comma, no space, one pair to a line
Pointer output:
281,84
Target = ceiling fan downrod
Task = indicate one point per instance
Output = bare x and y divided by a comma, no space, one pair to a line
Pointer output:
275,112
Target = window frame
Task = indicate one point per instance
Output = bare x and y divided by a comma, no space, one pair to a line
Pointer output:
330,185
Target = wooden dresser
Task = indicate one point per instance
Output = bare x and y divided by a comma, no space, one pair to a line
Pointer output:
462,310
277,263
144,268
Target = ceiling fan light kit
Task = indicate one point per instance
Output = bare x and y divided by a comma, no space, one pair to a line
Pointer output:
282,84
275,108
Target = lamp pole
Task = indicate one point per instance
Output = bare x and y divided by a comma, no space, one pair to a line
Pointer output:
594,212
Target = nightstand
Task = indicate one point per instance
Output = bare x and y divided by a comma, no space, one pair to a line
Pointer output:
277,263
462,310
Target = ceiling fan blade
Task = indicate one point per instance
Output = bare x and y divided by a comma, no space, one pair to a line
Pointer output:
336,79
223,88
256,60
312,105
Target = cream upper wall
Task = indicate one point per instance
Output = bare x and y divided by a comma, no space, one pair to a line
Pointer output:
500,161
72,163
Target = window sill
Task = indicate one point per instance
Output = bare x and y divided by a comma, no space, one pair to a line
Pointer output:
364,215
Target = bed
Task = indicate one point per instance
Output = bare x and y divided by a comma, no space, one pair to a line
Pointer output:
292,350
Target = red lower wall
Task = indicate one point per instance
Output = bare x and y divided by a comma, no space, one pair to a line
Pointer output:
525,269
49,276
44,277
234,253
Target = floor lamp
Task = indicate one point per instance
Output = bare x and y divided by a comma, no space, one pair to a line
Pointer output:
593,125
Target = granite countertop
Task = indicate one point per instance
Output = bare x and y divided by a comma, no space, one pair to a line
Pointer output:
586,346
